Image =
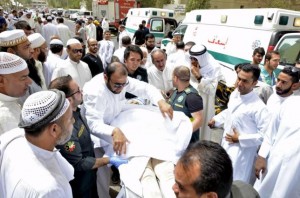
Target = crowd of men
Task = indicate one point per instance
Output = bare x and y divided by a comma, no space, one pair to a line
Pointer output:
59,95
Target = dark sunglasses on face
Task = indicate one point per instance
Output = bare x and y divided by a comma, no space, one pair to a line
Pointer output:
75,51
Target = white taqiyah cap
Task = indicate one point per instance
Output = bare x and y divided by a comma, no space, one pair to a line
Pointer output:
12,38
43,107
10,63
49,17
56,42
36,40
72,41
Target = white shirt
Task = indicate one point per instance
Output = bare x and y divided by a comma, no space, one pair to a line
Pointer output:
64,33
101,106
250,117
162,80
90,31
282,176
48,31
120,54
105,25
53,61
30,171
10,112
170,48
179,58
106,51
80,71
121,35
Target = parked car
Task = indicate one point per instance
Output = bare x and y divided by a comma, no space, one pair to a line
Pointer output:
68,13
84,15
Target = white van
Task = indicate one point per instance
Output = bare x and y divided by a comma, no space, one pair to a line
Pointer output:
159,21
231,35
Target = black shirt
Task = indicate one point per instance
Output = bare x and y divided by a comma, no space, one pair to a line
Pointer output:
94,63
139,74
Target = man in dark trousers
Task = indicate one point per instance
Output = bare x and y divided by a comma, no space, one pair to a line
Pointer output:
92,58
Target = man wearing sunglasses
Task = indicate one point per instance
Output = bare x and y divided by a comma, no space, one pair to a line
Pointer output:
73,66
104,97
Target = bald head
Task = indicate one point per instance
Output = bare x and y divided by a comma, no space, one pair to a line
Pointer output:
182,73
115,68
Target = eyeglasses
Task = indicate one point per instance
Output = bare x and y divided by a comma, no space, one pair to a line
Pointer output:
75,51
120,85
76,92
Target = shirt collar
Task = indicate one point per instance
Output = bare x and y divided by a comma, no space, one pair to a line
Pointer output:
7,98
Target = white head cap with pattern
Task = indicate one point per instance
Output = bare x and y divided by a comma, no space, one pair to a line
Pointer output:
12,38
42,108
10,63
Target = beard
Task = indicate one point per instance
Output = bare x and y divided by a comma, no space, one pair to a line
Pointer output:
281,92
150,48
65,137
42,57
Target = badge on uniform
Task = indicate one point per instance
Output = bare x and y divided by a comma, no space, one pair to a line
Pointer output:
70,146
180,98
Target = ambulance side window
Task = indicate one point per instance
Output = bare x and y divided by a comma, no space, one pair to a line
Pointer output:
289,50
156,26
180,29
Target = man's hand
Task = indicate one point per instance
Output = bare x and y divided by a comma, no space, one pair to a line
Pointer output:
233,138
211,123
117,161
195,69
119,141
165,108
260,165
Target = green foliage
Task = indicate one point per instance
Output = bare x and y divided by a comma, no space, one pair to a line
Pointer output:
273,4
160,3
197,4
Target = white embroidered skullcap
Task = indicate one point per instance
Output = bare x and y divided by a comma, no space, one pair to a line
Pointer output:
12,38
36,40
56,42
49,18
72,41
42,108
200,53
10,63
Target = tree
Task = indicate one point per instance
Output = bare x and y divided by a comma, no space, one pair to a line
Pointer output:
273,4
197,4
160,3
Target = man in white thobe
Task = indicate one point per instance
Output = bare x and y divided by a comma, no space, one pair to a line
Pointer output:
126,41
49,30
171,46
160,74
268,169
64,32
30,166
104,98
106,49
39,46
122,33
206,73
90,29
53,60
14,70
279,157
73,66
245,122
179,58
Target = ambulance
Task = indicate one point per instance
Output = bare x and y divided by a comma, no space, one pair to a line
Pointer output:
231,35
159,22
